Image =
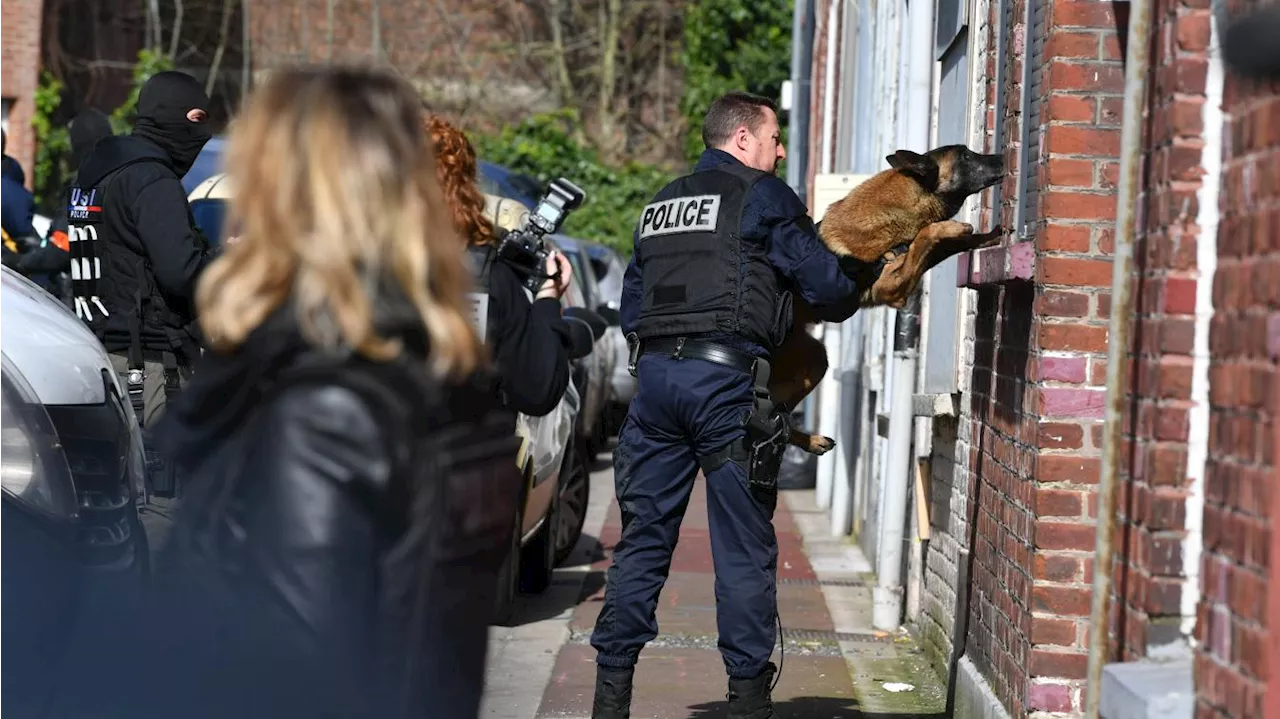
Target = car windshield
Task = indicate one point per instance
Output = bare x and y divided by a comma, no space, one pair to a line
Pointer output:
487,185
503,182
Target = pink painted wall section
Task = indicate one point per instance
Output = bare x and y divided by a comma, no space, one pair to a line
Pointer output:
1075,403
1064,369
994,265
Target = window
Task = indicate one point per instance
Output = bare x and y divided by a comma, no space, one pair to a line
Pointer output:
951,50
1027,195
1026,209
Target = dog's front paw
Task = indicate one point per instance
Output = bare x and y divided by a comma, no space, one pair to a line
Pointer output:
991,238
820,445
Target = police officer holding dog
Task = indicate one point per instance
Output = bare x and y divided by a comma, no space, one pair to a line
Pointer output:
706,299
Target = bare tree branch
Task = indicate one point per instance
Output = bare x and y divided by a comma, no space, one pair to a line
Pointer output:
179,8
222,48
153,22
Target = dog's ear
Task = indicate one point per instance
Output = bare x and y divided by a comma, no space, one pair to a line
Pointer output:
922,167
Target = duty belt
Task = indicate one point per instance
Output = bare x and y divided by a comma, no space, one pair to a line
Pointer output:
685,348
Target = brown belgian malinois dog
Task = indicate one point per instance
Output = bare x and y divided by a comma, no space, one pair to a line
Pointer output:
896,222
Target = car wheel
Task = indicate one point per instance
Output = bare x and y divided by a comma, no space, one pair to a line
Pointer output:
538,557
575,492
509,575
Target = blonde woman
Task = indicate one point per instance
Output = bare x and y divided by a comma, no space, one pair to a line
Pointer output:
349,470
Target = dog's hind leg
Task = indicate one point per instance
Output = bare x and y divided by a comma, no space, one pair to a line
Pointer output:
799,365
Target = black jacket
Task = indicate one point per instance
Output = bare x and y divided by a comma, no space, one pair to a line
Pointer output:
148,220
529,343
338,547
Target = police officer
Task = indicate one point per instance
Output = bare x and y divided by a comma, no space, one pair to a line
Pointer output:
50,263
706,299
135,251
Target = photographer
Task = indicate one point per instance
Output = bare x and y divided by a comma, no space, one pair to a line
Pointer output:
530,343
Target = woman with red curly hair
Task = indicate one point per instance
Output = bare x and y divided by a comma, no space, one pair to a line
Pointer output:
529,341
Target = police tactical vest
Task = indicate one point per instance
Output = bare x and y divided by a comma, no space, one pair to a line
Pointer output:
85,227
107,278
700,275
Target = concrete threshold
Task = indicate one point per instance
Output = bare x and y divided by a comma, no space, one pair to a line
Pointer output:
1148,689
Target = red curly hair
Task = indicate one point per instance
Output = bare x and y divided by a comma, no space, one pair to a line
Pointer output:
456,170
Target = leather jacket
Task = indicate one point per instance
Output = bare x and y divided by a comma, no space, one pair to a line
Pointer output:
338,547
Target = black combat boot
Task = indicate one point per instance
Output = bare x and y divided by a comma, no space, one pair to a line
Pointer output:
751,698
613,693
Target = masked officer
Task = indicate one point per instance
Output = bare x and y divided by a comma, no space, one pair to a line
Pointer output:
49,263
135,251
707,298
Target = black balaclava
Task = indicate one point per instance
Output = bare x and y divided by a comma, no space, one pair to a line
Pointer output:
163,105
85,130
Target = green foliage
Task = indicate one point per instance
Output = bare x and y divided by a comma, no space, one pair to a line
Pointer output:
150,62
53,144
53,141
728,45
543,148
732,45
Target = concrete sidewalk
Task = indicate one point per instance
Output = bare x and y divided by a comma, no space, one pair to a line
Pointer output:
834,664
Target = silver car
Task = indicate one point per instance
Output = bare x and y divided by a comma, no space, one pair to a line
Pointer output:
609,268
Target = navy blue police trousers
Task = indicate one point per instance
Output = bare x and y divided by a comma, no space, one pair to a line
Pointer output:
685,409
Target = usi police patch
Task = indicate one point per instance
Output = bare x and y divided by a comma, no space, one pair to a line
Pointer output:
680,215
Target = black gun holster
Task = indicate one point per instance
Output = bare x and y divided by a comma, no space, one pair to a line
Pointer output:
759,452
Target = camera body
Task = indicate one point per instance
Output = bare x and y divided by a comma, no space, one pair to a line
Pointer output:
525,250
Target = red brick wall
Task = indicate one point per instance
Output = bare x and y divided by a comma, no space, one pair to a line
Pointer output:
486,64
20,67
1002,452
1039,372
1240,479
465,56
1001,459
1149,583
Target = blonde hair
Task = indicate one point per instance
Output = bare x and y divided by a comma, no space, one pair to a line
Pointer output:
336,194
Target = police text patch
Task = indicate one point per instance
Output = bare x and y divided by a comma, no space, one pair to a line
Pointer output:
679,215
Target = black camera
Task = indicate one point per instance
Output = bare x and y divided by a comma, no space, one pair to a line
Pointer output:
525,250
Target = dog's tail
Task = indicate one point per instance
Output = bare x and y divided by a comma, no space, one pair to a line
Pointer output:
1251,44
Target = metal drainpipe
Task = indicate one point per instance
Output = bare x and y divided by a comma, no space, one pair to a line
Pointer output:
798,129
798,118
887,596
1118,340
